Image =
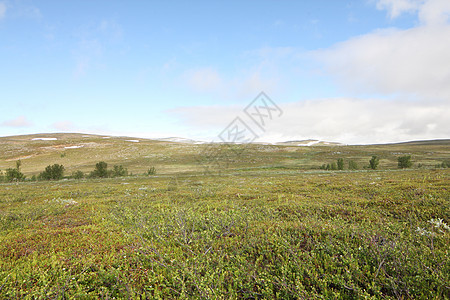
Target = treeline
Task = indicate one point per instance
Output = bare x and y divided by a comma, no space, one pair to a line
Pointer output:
403,162
56,172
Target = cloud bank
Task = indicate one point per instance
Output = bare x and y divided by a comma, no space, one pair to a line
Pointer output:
408,69
17,122
413,62
346,120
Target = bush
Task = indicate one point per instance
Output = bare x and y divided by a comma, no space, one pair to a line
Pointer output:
151,171
444,164
54,172
340,164
352,165
119,171
101,170
78,174
333,165
15,174
374,162
404,162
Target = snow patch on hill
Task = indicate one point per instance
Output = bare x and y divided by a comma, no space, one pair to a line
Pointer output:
44,139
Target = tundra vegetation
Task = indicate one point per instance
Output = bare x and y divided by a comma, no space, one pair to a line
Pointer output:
404,162
265,228
53,172
374,162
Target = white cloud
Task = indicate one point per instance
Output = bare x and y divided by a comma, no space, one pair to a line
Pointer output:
18,9
410,68
435,12
17,122
2,10
431,12
346,120
414,62
411,64
396,7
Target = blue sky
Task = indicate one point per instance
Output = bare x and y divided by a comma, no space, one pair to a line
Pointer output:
347,71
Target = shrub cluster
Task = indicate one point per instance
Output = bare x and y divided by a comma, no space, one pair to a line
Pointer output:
54,172
444,164
13,174
339,165
101,171
404,162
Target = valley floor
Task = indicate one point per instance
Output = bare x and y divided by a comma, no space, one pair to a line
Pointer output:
285,235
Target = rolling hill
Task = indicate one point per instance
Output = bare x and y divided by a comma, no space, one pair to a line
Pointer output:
175,155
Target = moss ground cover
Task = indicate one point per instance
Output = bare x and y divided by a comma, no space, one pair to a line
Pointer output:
252,234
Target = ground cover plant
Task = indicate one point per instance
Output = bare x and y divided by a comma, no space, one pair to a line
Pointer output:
252,234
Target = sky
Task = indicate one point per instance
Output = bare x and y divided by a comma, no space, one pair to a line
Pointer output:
355,72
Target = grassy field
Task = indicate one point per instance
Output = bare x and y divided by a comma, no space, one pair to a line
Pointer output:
270,226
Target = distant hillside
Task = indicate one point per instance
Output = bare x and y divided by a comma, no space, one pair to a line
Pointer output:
307,143
176,155
443,142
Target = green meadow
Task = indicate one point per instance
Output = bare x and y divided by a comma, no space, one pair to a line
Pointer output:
258,222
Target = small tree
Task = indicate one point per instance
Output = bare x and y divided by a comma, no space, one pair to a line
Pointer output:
404,162
54,172
352,165
333,166
78,174
2,176
101,170
15,174
119,171
374,162
444,164
340,164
